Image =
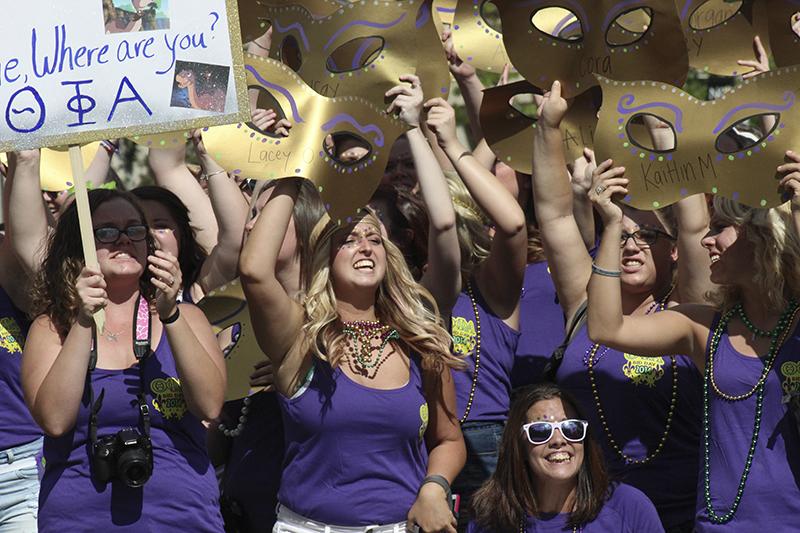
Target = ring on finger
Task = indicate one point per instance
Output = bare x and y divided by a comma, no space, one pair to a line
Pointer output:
599,189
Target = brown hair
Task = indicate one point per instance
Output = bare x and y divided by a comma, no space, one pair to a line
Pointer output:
54,291
508,496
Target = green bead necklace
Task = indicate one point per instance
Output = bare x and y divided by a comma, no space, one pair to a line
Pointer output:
361,347
778,335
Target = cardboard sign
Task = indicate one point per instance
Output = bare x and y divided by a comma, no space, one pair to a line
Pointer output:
785,43
730,146
72,73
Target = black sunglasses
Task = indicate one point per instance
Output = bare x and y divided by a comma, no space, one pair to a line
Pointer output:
110,234
643,237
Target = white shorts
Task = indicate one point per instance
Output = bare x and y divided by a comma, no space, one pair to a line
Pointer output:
291,522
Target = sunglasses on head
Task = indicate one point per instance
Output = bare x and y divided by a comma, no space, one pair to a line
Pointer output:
540,432
643,237
110,234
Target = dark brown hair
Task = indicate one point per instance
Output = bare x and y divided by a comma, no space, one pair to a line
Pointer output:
54,291
508,496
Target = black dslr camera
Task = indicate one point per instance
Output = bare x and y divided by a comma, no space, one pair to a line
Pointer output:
127,456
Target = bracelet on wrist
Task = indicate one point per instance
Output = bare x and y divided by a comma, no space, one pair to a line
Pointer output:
439,480
204,177
109,146
172,318
607,273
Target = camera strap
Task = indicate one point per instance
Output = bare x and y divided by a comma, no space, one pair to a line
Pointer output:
142,336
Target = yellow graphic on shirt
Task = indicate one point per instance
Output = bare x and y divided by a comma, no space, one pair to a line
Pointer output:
11,339
643,370
168,398
423,416
463,336
790,370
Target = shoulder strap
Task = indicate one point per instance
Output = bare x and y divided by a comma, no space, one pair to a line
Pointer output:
578,319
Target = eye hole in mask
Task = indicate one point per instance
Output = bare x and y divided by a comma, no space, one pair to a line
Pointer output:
491,16
652,133
559,23
714,13
346,148
629,27
525,103
266,101
290,53
355,54
746,133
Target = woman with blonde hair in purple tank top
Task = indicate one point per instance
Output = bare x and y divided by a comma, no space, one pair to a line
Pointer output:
746,342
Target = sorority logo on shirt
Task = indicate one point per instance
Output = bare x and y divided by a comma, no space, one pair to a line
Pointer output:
11,339
643,370
168,398
423,416
463,336
791,377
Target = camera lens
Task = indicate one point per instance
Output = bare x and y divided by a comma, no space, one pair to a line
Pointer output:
134,467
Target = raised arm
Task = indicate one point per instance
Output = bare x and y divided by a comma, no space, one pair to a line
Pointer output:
443,275
27,216
569,261
276,318
581,179
693,260
790,184
680,330
230,212
500,277
170,171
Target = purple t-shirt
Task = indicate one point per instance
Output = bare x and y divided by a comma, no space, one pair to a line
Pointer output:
16,424
253,471
498,344
635,394
771,499
627,510
355,455
182,493
541,325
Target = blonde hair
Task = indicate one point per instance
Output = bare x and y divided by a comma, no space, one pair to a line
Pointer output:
776,254
473,238
400,303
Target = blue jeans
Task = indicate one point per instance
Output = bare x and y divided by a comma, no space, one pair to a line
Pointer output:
19,488
483,443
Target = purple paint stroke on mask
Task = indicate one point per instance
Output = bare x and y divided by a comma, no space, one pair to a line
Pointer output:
446,9
617,10
363,23
344,117
574,6
357,59
567,23
423,16
295,113
788,97
628,99
295,26
685,10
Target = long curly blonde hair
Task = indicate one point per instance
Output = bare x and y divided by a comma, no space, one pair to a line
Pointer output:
471,222
776,265
400,303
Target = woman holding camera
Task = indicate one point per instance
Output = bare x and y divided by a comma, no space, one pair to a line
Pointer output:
121,407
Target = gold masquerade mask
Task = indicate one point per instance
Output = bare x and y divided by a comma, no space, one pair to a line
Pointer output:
784,42
341,144
55,169
226,310
718,34
509,131
572,40
476,37
361,49
730,146
445,10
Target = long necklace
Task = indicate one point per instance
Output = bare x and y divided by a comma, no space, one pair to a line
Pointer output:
673,402
366,338
474,384
780,333
235,432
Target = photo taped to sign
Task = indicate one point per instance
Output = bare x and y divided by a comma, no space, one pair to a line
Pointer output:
200,86
124,16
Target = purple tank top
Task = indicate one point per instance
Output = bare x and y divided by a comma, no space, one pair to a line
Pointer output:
253,471
181,495
771,498
355,455
498,344
627,510
541,325
16,424
635,394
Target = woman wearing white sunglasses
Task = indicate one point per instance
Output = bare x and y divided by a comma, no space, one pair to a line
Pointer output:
551,476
